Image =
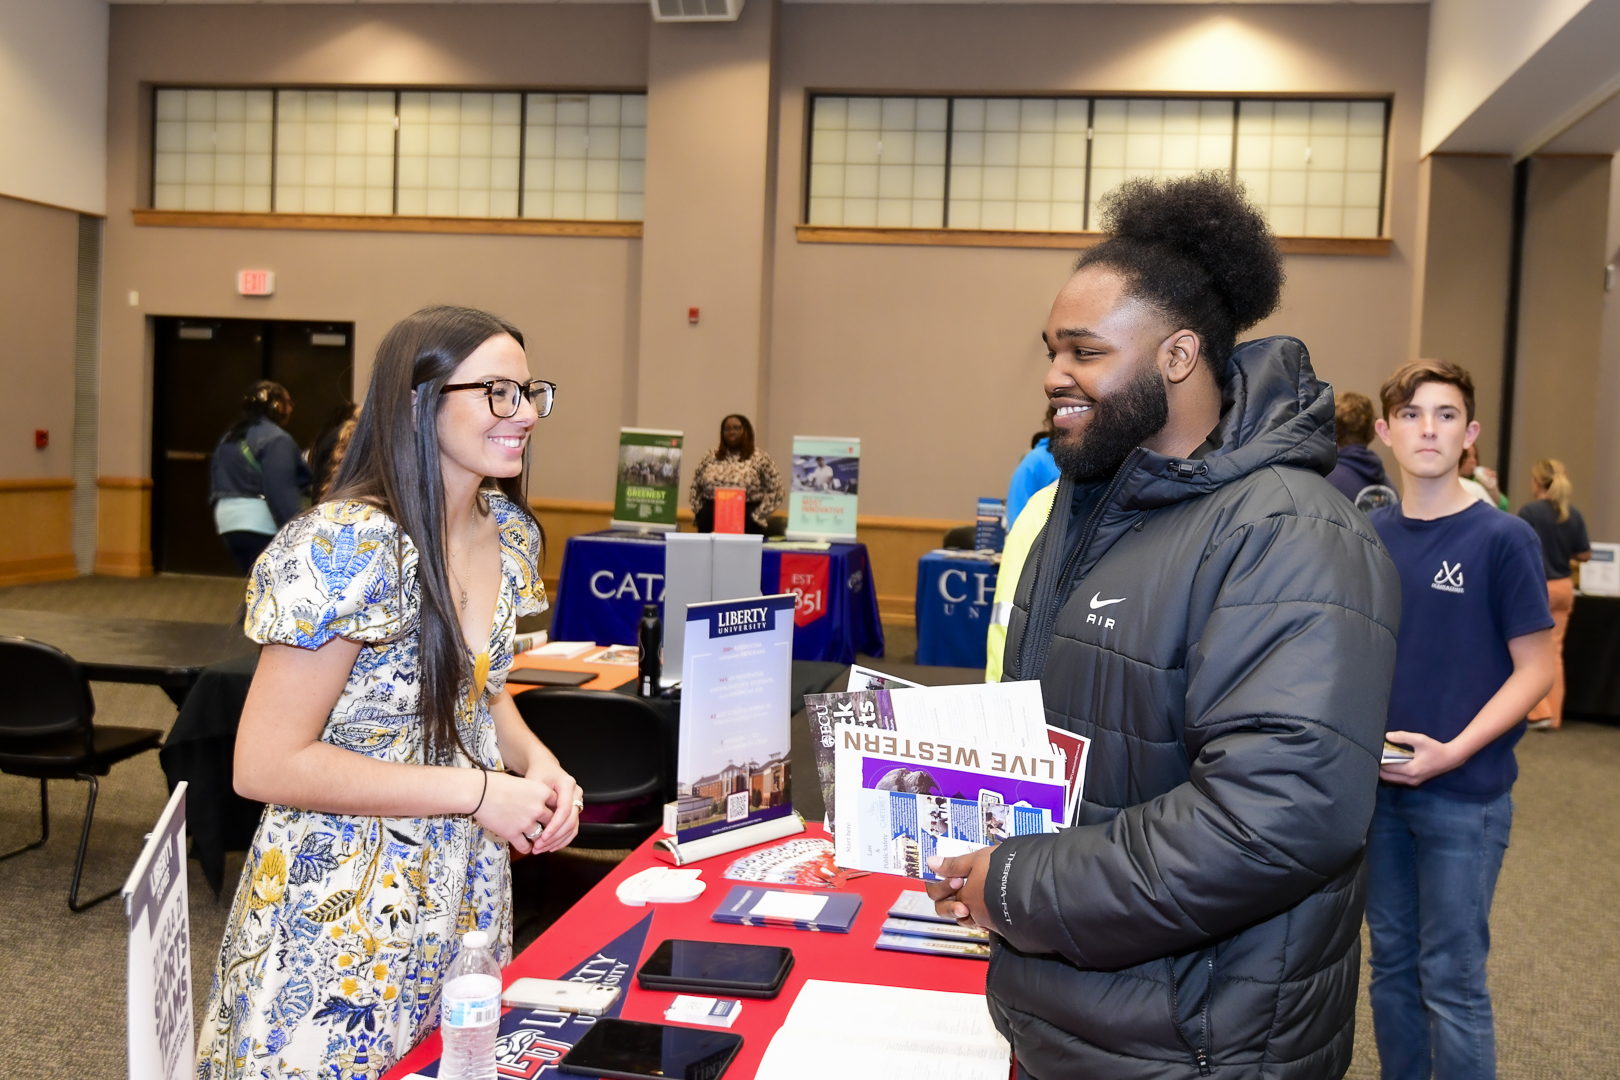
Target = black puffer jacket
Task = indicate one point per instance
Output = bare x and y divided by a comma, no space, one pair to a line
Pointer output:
1226,635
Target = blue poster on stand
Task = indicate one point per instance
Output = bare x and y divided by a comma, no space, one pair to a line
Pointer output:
733,768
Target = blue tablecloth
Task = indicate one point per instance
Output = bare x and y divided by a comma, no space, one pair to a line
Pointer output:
607,576
953,609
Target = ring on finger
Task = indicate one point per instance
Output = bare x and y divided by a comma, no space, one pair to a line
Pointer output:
532,836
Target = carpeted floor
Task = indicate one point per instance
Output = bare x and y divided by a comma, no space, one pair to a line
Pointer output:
1555,952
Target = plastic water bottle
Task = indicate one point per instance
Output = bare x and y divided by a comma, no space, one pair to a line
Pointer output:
650,639
470,1011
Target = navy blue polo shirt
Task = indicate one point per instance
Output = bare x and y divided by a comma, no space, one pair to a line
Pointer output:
1470,583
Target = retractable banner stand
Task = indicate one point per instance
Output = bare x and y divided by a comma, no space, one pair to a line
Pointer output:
162,1042
824,489
649,483
734,771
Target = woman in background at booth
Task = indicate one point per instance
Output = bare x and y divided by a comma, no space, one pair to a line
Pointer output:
378,727
257,477
736,463
1563,542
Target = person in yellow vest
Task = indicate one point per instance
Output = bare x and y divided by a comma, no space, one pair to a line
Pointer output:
1020,539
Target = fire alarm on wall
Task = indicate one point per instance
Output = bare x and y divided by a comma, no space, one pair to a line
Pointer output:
692,315
42,438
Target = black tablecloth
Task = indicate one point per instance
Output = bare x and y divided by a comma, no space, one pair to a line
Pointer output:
202,744
1592,659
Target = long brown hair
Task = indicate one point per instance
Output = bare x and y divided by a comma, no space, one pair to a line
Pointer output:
393,464
1550,475
747,450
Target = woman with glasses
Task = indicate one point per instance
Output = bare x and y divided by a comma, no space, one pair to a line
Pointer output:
377,728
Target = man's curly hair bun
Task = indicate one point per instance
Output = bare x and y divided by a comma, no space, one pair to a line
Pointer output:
1197,250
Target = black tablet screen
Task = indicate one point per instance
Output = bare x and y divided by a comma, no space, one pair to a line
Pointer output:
717,962
631,1048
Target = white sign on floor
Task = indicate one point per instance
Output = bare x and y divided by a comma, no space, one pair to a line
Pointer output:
162,1043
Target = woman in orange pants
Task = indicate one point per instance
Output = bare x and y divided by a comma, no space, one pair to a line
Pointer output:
1563,543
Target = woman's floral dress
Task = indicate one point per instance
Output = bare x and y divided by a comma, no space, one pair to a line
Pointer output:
344,926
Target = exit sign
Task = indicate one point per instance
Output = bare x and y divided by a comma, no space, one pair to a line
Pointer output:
256,282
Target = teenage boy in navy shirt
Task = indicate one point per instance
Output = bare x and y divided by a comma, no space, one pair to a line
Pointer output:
1474,655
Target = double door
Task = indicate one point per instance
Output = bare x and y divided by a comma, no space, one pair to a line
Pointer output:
203,369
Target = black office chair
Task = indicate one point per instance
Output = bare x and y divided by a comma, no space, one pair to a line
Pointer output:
46,732
618,749
962,538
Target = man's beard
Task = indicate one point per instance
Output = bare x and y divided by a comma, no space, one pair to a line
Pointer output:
1119,424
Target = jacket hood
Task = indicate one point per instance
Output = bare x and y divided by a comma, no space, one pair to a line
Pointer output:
1363,462
1274,411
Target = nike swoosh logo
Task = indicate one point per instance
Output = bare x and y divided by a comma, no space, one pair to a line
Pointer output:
1097,601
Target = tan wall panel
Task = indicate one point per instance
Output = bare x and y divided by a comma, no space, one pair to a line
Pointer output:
1561,321
39,259
124,526
1465,278
37,542
931,355
574,298
1602,505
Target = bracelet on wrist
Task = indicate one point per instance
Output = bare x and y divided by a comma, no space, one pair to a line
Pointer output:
482,793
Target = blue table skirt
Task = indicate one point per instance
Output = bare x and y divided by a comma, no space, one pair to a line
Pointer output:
608,576
954,597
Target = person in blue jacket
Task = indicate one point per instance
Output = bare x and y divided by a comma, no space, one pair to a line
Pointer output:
1033,473
257,477
1358,466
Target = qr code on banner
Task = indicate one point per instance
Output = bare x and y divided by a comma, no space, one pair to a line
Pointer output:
737,806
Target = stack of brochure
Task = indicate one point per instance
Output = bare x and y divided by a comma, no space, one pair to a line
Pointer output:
914,926
913,772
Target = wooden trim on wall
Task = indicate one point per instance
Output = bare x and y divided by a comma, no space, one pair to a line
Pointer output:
213,219
124,483
43,483
843,234
29,571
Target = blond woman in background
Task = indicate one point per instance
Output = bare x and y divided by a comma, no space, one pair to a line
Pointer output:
1563,543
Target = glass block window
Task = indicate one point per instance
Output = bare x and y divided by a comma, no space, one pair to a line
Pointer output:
1317,167
335,151
459,154
1018,163
1046,164
211,150
382,152
1156,138
584,156
878,161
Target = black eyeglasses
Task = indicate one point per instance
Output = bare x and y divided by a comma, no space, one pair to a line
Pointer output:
506,395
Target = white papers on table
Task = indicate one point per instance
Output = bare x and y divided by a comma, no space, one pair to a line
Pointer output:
789,905
865,678
564,650
888,1032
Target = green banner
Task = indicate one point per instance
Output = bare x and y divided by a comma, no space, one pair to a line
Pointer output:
649,484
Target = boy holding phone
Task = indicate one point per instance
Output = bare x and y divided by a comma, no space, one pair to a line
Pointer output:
1474,655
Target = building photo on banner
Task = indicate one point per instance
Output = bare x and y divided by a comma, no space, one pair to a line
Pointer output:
674,537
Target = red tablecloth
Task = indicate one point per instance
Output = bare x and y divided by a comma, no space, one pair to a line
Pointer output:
599,917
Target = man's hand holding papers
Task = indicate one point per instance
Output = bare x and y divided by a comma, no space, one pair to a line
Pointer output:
959,894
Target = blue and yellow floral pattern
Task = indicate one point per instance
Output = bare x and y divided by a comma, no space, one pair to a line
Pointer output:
343,926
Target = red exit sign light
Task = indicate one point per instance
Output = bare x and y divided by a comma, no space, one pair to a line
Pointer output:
256,282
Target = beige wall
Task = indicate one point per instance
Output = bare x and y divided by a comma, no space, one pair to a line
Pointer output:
932,355
1465,277
1602,503
1560,320
38,285
53,102
575,298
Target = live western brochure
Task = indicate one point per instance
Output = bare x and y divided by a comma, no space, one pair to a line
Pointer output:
914,772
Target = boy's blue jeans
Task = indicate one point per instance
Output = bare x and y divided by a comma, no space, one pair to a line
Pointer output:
1432,863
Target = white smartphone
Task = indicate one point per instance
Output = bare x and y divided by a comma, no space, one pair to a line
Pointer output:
582,998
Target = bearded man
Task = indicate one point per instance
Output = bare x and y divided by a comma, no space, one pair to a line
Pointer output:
1221,622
